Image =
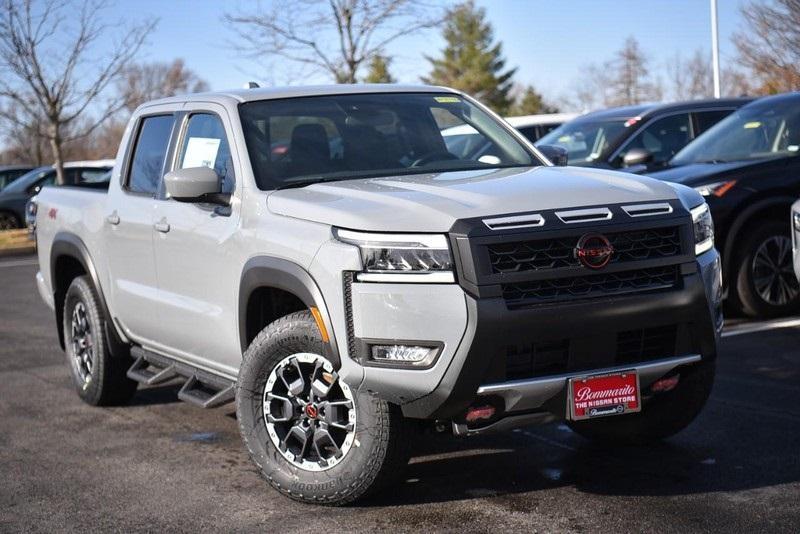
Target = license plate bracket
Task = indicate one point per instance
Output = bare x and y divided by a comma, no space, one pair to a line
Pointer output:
603,395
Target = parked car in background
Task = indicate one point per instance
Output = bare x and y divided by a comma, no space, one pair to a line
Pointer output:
534,127
796,238
464,141
9,173
638,138
15,196
747,167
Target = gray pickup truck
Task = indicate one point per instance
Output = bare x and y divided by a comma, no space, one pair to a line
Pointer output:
352,279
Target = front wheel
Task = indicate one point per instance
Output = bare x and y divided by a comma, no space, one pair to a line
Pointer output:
313,437
663,414
764,282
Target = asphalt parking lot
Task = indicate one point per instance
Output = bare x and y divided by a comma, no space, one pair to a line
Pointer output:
160,464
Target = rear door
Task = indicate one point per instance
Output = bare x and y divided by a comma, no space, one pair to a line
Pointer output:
128,227
197,249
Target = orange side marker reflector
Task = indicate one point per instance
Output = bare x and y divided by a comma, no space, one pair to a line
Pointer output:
320,324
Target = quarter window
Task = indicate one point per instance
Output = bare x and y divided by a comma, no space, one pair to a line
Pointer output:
147,164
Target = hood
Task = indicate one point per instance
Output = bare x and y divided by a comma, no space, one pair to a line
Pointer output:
700,173
434,202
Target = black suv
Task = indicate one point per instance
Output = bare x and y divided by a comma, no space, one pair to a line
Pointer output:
747,167
638,138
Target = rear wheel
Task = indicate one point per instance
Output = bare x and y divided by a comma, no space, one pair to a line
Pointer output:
8,221
99,377
314,439
663,414
764,281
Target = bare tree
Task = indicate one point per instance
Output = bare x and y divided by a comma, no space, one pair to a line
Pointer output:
690,79
55,72
336,37
631,81
770,48
141,82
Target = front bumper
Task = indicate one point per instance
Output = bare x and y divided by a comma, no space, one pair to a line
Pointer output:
474,361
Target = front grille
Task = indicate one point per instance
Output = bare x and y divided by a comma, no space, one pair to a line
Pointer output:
645,344
590,286
556,253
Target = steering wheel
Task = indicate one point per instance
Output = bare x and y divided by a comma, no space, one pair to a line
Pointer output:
435,155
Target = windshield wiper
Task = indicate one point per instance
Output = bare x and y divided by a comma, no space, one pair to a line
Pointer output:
303,183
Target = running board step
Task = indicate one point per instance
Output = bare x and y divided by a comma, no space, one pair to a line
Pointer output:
199,394
145,373
201,388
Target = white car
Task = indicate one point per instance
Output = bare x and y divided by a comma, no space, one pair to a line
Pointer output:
534,127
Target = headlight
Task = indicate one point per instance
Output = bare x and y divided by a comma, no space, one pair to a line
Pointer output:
717,189
401,257
703,229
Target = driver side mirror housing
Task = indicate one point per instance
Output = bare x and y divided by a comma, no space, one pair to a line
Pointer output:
195,184
556,154
637,156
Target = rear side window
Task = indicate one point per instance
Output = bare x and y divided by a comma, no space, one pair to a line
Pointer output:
147,163
707,119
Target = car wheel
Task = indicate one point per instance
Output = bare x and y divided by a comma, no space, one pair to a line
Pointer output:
99,377
663,414
314,438
764,281
8,221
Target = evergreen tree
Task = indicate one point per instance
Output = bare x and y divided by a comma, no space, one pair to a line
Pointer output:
531,102
379,70
471,61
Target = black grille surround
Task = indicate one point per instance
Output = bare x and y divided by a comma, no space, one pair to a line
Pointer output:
538,266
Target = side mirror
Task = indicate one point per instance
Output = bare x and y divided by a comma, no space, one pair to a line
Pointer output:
195,184
556,154
637,156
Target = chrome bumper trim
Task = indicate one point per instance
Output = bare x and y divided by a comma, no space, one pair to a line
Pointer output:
522,395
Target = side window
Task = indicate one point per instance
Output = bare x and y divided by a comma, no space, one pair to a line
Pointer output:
707,119
90,175
147,163
206,145
663,138
530,133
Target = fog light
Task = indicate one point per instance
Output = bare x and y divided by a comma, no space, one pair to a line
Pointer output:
412,355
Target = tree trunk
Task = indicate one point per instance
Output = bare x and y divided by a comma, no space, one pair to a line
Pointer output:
58,161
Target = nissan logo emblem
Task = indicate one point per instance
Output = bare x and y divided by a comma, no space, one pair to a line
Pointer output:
594,251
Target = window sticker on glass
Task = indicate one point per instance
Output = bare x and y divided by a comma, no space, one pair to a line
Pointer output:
447,99
751,125
200,152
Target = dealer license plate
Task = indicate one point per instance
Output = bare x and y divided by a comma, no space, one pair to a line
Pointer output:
604,395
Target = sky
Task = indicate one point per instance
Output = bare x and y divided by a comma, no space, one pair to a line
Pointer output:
550,41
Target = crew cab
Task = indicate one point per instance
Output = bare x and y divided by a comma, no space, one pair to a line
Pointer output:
318,256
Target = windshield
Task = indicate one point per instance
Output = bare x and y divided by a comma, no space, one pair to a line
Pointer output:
586,140
753,132
21,184
293,142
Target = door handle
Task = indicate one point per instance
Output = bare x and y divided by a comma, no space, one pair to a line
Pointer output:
113,218
162,226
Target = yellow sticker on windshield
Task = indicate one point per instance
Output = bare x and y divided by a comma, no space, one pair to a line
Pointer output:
447,99
751,125
563,139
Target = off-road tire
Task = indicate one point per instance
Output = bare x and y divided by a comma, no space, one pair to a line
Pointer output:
663,414
108,384
745,297
380,449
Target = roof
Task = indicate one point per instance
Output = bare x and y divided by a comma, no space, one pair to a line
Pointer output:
782,98
16,167
627,112
271,93
89,163
544,118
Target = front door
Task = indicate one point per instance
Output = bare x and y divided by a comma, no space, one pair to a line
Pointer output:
196,251
128,229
